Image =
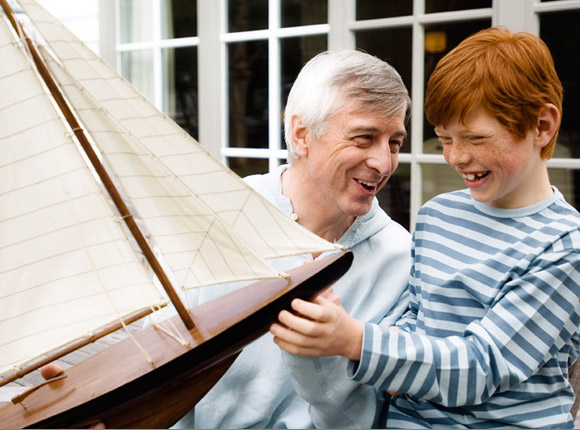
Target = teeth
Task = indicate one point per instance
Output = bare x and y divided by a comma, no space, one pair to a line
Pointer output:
472,176
367,184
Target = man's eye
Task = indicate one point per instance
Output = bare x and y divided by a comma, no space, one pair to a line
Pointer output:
363,140
395,145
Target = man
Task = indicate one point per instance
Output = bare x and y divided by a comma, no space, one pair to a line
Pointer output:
344,124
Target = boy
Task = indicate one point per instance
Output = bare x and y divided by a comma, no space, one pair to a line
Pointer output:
494,318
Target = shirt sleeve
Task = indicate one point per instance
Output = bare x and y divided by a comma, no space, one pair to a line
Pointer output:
531,319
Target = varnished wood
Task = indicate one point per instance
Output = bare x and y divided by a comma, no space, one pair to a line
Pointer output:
74,346
117,386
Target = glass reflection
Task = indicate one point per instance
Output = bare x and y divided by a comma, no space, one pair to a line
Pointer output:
555,28
372,9
136,20
248,94
180,87
137,68
297,12
178,18
394,198
433,6
246,15
247,166
438,179
394,46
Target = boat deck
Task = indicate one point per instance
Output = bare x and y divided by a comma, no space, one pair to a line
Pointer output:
15,388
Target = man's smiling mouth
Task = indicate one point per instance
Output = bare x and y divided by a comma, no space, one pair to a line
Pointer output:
371,186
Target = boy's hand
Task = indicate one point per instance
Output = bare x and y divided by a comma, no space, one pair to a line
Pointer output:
321,328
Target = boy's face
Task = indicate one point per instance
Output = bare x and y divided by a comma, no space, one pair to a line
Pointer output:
498,168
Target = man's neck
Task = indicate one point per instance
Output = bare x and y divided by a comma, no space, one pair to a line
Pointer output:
323,220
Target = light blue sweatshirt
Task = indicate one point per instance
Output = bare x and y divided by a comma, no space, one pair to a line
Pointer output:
257,391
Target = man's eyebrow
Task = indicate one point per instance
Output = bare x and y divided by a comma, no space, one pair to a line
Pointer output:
363,129
371,130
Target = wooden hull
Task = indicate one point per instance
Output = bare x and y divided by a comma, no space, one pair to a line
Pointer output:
119,388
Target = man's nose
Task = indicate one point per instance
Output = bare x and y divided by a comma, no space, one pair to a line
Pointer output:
380,158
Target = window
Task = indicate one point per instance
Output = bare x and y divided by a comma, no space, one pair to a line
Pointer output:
223,68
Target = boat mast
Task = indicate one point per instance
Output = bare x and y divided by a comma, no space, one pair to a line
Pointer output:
101,171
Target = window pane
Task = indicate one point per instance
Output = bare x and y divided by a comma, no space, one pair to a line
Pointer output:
137,68
565,180
372,9
561,33
394,198
248,166
432,6
180,87
295,52
136,20
439,178
394,46
297,12
248,94
245,15
439,40
178,18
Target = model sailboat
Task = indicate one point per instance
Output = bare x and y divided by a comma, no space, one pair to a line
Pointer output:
95,182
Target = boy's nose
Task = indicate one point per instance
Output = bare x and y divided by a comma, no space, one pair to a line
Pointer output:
455,154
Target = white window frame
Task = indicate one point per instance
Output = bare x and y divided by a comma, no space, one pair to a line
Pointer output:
212,40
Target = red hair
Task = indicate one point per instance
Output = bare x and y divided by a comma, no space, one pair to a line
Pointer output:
512,75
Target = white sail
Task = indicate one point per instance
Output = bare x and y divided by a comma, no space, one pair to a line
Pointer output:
268,231
199,247
66,267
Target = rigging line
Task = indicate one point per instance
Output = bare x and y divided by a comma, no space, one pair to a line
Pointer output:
99,168
72,347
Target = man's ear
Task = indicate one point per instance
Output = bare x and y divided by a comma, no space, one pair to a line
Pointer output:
299,134
548,122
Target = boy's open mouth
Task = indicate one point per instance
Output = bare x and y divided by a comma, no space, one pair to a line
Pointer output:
474,176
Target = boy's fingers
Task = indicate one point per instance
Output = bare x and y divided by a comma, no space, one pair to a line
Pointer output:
295,349
288,336
299,324
310,310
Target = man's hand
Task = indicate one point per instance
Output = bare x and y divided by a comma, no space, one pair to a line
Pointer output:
320,328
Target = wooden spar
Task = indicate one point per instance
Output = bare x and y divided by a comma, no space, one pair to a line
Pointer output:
101,171
74,346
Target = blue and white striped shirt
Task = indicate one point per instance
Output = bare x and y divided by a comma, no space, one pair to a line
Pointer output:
494,319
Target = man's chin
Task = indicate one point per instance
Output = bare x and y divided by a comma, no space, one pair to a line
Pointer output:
360,209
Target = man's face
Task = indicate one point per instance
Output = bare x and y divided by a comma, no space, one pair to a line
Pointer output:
353,159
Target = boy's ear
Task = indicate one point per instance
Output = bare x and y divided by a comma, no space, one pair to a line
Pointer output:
548,123
299,133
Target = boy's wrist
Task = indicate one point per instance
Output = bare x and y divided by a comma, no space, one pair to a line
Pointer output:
355,345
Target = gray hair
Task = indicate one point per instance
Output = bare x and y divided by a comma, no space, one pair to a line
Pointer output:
329,78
